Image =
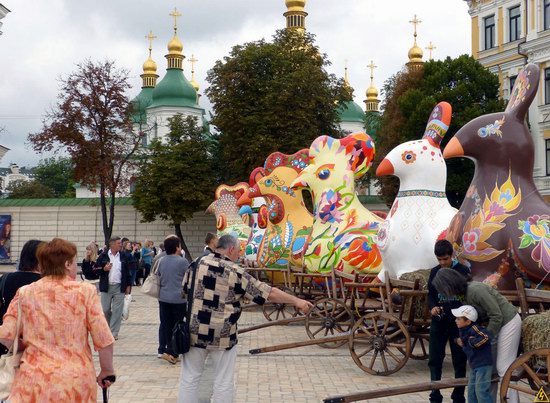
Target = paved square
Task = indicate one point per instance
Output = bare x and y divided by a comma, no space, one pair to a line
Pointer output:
303,375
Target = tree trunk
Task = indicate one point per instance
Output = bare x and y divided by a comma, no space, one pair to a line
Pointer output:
111,215
103,201
188,256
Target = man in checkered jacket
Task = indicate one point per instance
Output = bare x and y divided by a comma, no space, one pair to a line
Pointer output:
220,286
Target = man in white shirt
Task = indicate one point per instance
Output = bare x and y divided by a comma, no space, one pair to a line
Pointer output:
114,282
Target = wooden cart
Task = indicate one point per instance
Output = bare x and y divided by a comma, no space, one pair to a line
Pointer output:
378,321
529,373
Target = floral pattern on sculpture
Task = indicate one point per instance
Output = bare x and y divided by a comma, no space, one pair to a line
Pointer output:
536,232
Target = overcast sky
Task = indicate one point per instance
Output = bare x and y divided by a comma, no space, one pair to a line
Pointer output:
44,39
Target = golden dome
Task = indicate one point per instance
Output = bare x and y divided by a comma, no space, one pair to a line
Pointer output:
195,84
415,53
372,93
175,46
149,67
295,5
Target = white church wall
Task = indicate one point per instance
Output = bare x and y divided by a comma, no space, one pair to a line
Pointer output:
82,224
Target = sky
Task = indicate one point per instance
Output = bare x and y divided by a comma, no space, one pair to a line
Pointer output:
43,40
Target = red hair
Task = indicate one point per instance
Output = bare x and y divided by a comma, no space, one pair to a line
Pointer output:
53,255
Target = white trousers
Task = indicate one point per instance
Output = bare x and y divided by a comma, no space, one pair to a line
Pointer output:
192,366
507,345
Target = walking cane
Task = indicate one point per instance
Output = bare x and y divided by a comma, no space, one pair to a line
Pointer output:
112,379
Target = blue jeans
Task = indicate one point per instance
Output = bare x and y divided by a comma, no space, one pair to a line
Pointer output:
133,273
479,385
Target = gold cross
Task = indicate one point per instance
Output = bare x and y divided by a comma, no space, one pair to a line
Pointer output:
371,66
150,37
175,14
346,81
431,47
415,21
193,61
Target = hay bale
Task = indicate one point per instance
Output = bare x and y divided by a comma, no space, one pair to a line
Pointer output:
534,334
419,304
423,275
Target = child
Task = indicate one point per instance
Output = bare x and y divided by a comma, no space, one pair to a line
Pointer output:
476,343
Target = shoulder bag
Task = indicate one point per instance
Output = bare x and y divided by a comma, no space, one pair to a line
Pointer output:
9,362
181,334
151,285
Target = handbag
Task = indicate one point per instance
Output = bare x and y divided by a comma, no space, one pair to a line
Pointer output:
9,362
181,334
151,285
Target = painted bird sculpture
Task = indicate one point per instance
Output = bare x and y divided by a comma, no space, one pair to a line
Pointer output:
421,211
503,216
289,221
344,232
228,219
256,213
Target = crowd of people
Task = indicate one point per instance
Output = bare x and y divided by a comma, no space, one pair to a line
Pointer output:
59,314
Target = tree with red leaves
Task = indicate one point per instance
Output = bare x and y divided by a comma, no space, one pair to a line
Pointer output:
92,122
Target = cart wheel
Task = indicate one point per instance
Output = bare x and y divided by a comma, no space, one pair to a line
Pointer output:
535,368
419,349
328,317
278,311
380,343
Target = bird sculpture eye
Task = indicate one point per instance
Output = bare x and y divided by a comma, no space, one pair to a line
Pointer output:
324,174
268,182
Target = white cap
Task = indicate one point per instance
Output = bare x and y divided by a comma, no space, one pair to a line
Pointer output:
467,311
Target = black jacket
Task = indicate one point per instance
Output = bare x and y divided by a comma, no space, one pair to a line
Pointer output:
126,263
476,342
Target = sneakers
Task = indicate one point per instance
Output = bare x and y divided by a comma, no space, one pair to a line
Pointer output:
159,355
171,359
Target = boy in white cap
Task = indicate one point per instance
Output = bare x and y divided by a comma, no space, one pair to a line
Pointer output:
476,343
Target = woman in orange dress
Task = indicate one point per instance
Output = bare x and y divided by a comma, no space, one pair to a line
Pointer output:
57,316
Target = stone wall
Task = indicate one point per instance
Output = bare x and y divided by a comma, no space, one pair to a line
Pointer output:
81,224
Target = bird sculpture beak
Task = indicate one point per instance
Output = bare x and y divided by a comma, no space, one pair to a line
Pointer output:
244,199
385,168
453,149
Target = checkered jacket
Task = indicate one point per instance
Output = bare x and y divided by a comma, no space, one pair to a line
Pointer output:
220,285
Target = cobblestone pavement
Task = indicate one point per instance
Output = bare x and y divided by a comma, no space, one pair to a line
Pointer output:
307,374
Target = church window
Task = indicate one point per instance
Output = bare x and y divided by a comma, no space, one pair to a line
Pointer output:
489,24
546,14
514,23
547,142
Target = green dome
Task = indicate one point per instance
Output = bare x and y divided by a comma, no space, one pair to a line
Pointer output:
140,103
174,90
349,111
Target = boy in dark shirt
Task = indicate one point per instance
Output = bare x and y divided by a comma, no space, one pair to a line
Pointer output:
442,327
476,343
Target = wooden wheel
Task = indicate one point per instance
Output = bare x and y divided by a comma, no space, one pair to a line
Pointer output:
534,368
380,343
278,311
328,317
419,347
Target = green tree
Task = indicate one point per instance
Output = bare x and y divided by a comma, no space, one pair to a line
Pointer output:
58,175
410,97
92,122
22,189
176,177
272,96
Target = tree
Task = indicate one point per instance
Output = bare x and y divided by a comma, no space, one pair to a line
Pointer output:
91,121
272,96
176,177
22,189
410,97
58,175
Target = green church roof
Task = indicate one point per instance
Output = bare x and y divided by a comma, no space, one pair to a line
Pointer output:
140,103
349,111
174,90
